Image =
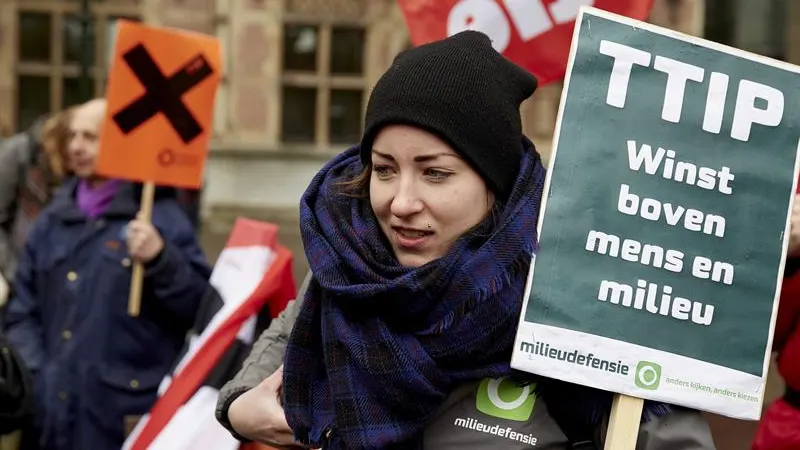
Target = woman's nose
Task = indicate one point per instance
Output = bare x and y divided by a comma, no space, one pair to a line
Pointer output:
406,200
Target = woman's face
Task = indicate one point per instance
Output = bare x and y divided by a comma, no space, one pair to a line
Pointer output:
423,193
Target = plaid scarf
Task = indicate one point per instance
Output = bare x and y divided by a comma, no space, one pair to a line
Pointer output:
378,347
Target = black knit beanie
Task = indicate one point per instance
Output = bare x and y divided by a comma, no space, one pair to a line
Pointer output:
465,92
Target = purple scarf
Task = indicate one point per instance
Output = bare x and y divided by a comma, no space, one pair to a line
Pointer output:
94,200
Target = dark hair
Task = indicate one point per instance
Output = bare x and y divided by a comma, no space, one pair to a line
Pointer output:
54,138
358,185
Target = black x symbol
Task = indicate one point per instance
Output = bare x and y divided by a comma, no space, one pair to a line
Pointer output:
163,94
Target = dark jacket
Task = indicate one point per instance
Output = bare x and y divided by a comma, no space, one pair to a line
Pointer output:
16,394
95,368
468,420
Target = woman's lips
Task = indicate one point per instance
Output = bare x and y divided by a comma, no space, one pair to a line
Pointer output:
410,238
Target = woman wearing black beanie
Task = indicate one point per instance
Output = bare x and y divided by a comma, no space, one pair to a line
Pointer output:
419,242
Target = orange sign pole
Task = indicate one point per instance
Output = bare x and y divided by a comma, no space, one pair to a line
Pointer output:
161,93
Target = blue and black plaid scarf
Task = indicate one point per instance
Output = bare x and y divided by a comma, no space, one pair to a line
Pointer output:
377,347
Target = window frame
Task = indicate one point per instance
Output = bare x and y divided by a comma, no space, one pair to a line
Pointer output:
56,68
322,79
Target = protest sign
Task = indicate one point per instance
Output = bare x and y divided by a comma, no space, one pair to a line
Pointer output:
533,33
664,219
158,123
160,97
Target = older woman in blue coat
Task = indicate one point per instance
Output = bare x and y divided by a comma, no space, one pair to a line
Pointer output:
96,369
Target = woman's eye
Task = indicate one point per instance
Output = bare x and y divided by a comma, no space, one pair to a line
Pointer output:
382,171
437,175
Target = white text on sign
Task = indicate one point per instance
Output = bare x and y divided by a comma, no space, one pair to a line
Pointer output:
530,18
681,171
645,296
678,73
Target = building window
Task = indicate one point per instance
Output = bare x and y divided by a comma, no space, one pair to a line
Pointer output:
323,83
223,31
758,26
49,62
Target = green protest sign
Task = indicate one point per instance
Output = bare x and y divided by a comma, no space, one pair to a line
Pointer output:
663,223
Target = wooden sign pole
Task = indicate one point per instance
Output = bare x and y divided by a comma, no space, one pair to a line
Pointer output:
623,426
172,156
137,276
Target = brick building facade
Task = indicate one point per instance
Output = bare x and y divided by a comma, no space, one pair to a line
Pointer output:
297,76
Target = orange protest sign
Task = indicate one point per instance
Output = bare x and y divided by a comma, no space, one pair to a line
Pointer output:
160,97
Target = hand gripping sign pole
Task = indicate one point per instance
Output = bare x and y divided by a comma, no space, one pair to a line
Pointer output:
137,276
161,95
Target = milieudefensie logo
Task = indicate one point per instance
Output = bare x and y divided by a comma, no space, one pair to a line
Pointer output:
503,399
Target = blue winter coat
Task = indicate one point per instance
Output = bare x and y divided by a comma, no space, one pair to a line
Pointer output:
95,367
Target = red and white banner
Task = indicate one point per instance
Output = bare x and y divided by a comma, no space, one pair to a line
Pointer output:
253,271
536,34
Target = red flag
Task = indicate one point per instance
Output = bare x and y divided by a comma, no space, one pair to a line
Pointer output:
252,271
536,34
